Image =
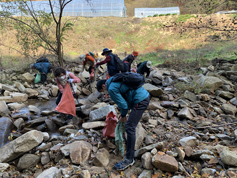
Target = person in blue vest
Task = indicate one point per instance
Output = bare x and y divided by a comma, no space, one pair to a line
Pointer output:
109,60
44,67
137,100
144,67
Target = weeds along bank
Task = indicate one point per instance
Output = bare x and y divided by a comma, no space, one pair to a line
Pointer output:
166,38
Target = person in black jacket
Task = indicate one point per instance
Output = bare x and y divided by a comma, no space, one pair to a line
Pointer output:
129,59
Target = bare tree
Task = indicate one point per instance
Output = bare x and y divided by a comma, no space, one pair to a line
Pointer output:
34,25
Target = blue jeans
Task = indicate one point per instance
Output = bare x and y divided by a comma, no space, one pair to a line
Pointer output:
131,125
59,99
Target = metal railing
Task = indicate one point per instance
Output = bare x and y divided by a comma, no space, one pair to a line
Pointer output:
145,12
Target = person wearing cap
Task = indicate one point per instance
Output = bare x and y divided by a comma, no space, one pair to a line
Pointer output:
88,64
144,67
129,59
44,68
109,60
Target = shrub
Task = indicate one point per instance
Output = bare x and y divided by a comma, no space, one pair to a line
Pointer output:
162,15
155,15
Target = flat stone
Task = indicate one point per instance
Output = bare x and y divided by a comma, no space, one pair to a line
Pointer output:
181,153
208,82
52,172
65,150
3,166
93,125
18,123
228,157
208,171
80,151
101,113
199,153
9,88
229,109
36,122
188,141
20,87
33,109
190,96
20,146
14,97
154,106
28,161
153,90
16,106
146,174
28,77
165,163
45,158
98,105
143,150
224,94
185,113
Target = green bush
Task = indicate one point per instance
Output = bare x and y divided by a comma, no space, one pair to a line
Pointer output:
167,14
162,15
156,15
184,18
175,14
149,16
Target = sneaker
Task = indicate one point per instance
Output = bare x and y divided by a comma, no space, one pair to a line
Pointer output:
124,164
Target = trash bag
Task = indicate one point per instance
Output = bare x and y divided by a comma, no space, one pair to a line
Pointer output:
110,125
67,103
38,78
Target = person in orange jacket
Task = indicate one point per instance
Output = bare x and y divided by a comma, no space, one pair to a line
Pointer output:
88,64
129,60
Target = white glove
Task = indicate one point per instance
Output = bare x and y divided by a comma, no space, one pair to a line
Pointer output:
70,80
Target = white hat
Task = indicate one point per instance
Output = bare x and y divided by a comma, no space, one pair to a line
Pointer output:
148,64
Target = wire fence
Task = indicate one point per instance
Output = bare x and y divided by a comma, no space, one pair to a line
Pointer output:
95,8
145,12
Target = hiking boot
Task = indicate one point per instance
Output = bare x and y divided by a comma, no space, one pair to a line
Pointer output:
125,163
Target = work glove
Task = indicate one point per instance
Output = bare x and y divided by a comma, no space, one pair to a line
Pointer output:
70,80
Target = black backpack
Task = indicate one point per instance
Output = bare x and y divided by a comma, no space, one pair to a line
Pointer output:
132,80
42,59
118,63
139,64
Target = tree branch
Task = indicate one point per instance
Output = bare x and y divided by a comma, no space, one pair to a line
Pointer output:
51,7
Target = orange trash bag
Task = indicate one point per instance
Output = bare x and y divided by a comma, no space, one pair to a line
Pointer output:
110,125
67,103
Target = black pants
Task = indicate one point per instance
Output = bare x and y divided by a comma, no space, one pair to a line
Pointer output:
131,125
43,78
59,99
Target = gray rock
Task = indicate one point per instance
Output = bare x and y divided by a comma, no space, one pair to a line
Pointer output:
5,130
16,106
33,109
185,113
143,150
3,166
208,171
21,115
165,163
9,88
36,122
94,96
199,153
80,151
20,87
28,161
167,81
181,153
51,126
170,114
229,109
188,141
146,160
85,174
54,90
206,157
93,125
18,123
154,106
153,90
52,172
98,105
4,111
20,146
145,174
31,92
140,135
27,77
101,158
190,96
44,147
101,113
68,132
224,94
205,97
65,150
234,101
145,117
208,82
228,157
45,158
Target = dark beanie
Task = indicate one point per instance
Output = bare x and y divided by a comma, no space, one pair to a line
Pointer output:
99,84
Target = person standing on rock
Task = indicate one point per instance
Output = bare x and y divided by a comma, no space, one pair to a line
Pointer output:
144,67
89,61
137,100
109,60
43,66
62,78
129,60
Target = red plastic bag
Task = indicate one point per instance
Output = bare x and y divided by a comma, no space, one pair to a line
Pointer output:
110,125
67,103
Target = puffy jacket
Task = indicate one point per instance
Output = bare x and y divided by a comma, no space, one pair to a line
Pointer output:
142,69
131,97
43,67
111,66
129,59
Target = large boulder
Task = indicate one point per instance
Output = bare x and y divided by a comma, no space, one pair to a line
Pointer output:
27,77
209,82
165,163
153,90
20,145
80,151
225,94
229,109
14,97
5,129
28,161
101,113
